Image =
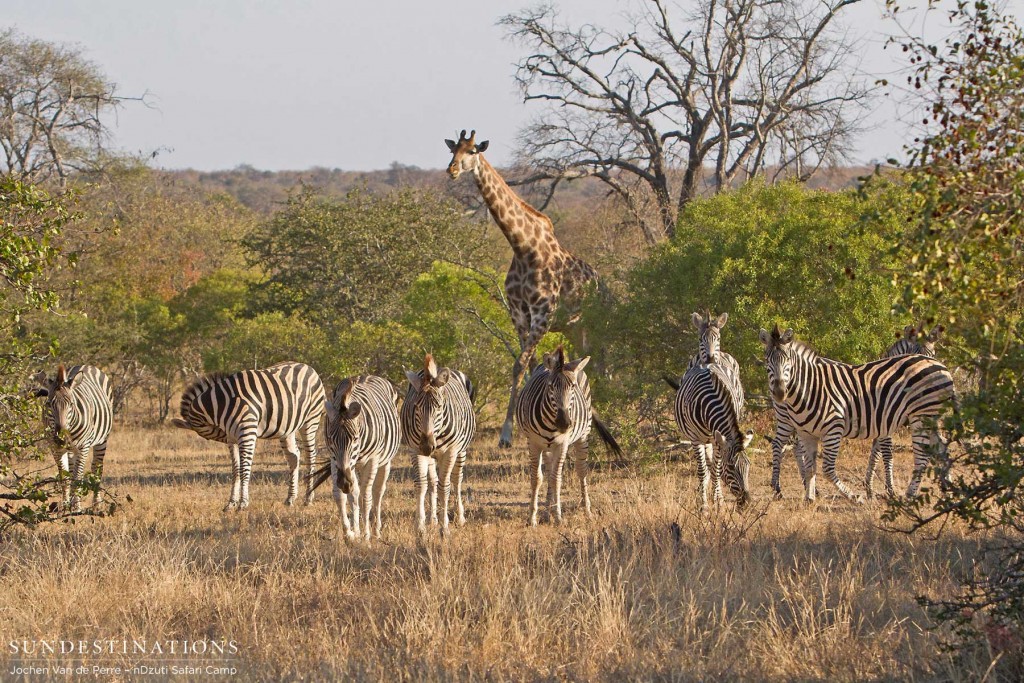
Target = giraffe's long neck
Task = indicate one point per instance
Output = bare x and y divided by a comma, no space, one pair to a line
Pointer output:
523,226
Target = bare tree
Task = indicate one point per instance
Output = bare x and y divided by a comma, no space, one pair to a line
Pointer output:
52,104
741,86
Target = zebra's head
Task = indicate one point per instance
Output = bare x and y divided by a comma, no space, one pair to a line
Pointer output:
924,343
709,331
562,391
59,414
345,424
736,469
431,387
464,154
778,361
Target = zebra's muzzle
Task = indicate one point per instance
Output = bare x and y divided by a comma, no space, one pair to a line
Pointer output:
427,444
562,420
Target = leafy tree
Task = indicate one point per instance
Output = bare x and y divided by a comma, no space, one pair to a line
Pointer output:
336,261
966,239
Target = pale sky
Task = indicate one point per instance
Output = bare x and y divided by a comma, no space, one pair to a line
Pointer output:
334,83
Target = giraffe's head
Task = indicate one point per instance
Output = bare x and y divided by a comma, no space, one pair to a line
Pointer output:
465,153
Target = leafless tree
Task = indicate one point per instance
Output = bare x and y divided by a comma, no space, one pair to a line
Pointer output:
52,107
739,86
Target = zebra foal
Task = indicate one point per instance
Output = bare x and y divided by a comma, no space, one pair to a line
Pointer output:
284,401
78,415
828,401
438,423
555,413
363,434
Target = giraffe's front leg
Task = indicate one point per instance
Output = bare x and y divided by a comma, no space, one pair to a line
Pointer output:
538,328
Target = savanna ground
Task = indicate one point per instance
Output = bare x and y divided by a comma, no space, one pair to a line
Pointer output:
645,589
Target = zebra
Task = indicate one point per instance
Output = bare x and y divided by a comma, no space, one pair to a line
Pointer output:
363,435
78,415
708,407
438,423
555,412
912,341
828,400
284,401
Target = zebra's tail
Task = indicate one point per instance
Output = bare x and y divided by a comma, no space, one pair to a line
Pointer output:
674,383
606,436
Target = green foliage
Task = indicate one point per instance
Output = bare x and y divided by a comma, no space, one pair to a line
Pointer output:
966,242
31,223
336,261
763,254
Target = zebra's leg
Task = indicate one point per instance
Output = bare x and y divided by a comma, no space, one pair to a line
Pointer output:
538,328
307,442
703,475
291,454
717,450
557,459
806,451
368,477
236,478
783,435
536,477
380,484
355,496
246,449
924,438
341,500
78,472
830,451
445,465
63,460
581,461
885,447
460,463
421,466
869,475
99,451
433,491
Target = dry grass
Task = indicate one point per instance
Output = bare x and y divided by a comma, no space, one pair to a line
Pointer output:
643,590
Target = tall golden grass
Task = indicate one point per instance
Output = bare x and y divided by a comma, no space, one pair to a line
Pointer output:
645,589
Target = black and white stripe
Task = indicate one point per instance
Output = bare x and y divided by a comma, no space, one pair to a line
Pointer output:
78,416
829,401
363,434
913,341
438,423
555,413
708,408
284,401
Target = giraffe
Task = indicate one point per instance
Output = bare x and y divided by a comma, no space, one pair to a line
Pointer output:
542,273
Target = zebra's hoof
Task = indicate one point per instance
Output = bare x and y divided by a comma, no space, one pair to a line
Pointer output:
778,495
289,502
243,505
858,500
504,444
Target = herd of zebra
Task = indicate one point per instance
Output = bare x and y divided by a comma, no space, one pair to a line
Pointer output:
817,401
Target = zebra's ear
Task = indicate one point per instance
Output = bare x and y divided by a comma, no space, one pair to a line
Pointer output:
765,337
787,336
576,367
747,438
353,411
40,392
696,319
909,332
936,332
415,381
330,410
722,320
442,378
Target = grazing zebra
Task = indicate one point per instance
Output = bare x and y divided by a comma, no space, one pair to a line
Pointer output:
828,401
438,423
78,415
284,401
363,435
709,406
913,341
555,413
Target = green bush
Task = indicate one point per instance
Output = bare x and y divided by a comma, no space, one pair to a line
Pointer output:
783,253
